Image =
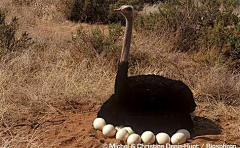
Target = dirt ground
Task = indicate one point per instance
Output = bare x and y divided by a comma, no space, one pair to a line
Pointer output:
72,127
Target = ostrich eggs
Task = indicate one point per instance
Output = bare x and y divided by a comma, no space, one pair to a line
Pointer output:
163,138
130,130
148,137
109,130
185,132
134,139
99,123
122,134
178,138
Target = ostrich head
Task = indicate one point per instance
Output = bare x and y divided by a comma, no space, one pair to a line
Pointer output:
126,11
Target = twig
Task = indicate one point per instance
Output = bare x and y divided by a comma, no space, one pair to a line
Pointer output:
37,125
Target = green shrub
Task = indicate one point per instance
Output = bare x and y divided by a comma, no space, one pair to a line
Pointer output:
106,44
174,17
97,42
205,25
93,11
85,10
8,40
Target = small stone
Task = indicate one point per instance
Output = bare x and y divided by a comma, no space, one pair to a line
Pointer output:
102,141
92,133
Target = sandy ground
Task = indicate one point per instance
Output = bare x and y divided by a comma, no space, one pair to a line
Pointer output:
72,127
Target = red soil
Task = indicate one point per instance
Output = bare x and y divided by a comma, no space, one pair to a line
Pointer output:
76,130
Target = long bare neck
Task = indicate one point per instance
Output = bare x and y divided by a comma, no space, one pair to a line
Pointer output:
121,83
127,40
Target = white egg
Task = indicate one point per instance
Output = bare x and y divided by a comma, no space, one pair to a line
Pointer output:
119,127
148,137
130,130
99,123
122,134
163,138
133,139
178,138
185,132
109,130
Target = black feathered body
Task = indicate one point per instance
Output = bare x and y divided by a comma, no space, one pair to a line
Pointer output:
149,102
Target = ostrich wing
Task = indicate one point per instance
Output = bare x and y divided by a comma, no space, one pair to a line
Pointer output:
153,92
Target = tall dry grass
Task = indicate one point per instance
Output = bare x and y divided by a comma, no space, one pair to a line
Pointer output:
45,77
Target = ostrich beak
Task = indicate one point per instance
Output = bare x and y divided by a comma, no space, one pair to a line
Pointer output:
117,10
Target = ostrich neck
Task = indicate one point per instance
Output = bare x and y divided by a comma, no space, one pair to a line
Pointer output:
126,40
121,82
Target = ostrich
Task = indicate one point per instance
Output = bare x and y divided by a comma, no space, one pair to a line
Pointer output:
146,102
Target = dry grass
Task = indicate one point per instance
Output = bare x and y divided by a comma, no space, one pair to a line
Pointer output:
39,80
147,9
224,115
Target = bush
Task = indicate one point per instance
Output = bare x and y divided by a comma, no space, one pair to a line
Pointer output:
93,11
8,40
96,42
205,24
85,10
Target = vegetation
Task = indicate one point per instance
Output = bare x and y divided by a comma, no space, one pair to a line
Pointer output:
202,26
99,43
8,39
101,10
197,25
68,64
